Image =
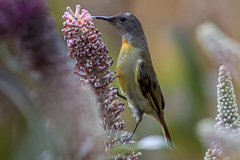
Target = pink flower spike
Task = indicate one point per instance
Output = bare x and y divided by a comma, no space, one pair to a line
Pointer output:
70,11
92,58
78,7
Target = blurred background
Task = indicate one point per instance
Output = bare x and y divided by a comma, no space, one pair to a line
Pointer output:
186,73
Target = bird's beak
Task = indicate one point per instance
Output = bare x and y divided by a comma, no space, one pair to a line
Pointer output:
110,18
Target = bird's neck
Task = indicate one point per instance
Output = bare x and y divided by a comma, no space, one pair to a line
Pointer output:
136,39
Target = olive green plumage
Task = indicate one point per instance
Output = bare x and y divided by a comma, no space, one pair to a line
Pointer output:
137,78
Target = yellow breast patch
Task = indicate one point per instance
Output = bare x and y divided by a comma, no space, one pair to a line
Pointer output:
123,64
126,45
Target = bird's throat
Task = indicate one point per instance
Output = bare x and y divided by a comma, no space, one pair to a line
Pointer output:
125,46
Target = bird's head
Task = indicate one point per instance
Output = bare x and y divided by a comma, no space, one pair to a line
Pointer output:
126,23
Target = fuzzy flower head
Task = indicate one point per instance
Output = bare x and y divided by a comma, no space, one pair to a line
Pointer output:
76,19
228,118
222,48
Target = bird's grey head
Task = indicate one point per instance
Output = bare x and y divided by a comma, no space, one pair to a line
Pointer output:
126,23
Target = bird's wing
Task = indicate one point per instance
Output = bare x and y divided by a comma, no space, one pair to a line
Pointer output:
146,78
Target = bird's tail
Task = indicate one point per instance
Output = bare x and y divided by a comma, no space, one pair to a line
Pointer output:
165,130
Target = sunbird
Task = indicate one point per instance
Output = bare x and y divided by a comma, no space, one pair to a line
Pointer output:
136,76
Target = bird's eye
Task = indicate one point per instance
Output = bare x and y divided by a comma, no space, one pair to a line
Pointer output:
123,19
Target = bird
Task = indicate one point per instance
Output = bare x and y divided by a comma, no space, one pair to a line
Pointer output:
136,76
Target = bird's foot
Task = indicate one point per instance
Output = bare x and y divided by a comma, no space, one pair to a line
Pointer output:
125,138
121,96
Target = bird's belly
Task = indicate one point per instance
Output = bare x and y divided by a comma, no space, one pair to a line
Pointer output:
138,102
130,87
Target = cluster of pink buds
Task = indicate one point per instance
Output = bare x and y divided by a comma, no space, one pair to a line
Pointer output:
85,45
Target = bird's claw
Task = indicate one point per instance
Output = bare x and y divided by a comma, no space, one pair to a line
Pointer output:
121,96
125,139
